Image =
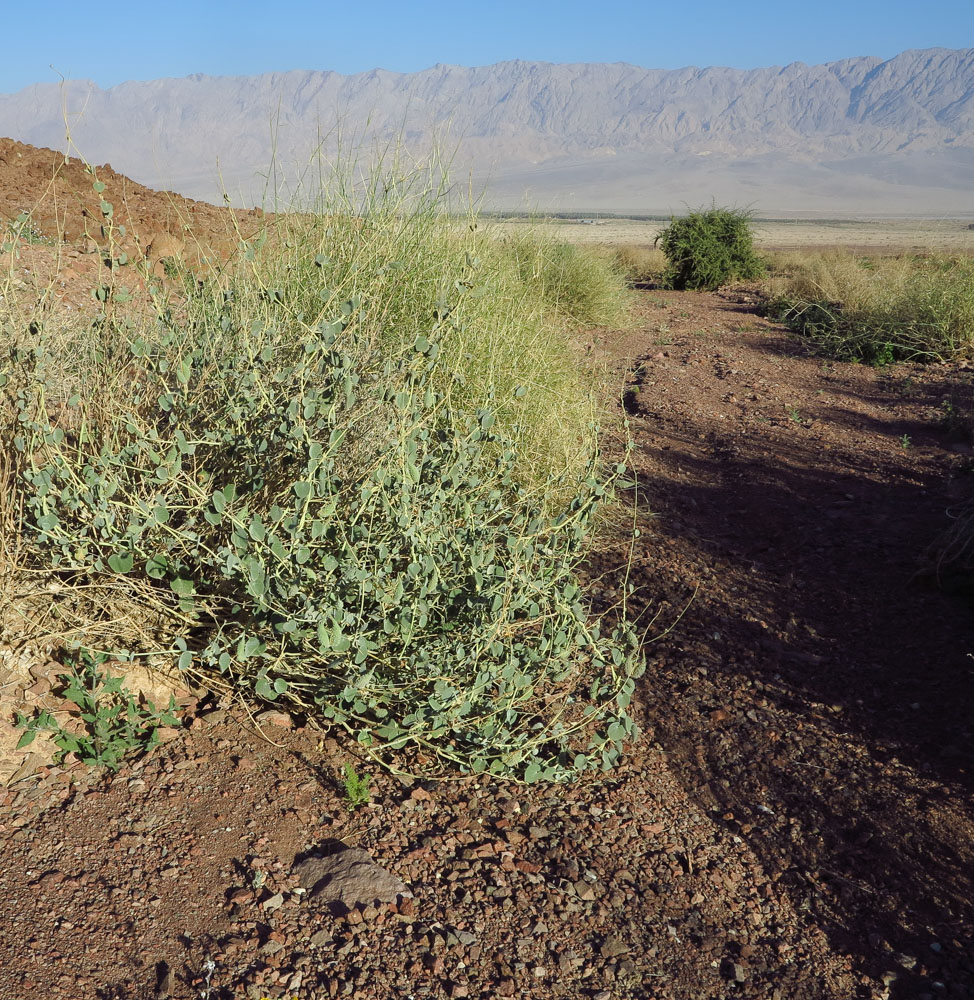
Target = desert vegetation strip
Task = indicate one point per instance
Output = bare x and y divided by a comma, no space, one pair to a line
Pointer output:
879,310
880,236
871,307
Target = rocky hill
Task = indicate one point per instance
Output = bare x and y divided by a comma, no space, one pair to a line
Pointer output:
861,135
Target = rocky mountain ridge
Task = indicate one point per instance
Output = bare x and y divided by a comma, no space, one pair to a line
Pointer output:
894,136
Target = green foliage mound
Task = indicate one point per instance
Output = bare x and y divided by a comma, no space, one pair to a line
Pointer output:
708,248
321,490
332,529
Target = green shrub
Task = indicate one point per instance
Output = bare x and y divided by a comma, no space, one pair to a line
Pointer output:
332,529
708,248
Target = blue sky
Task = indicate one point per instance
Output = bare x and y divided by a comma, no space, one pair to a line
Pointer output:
142,41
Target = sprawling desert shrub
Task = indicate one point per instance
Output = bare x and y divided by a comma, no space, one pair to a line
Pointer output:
354,472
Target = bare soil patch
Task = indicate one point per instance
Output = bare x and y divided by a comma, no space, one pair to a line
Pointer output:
815,691
62,253
57,192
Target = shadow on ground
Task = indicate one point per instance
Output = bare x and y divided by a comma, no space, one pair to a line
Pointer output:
817,693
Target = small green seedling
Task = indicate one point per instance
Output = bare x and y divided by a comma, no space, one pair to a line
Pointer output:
356,788
114,724
23,229
905,441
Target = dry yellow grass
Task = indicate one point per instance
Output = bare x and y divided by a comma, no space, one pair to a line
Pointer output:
839,276
878,307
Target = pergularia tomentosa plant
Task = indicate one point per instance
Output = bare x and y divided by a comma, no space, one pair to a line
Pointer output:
327,526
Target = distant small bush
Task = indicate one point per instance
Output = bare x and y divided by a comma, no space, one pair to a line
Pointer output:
708,248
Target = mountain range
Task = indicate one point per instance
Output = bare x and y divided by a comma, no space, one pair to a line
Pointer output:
862,136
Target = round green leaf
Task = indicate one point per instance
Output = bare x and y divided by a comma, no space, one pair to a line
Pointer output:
121,562
157,567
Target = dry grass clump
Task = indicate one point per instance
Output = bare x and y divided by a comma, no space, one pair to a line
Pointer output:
861,283
576,281
878,309
509,306
955,551
638,264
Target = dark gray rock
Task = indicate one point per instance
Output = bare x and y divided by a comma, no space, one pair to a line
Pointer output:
349,877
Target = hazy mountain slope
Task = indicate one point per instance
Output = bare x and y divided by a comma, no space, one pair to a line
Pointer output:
890,134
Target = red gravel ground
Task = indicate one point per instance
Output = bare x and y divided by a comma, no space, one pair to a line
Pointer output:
58,193
796,821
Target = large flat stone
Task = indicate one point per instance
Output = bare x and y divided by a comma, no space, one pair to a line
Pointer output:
349,877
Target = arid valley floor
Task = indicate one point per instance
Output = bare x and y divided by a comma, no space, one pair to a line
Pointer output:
795,823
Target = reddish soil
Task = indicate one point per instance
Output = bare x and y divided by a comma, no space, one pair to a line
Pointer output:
816,690
57,191
63,252
796,821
